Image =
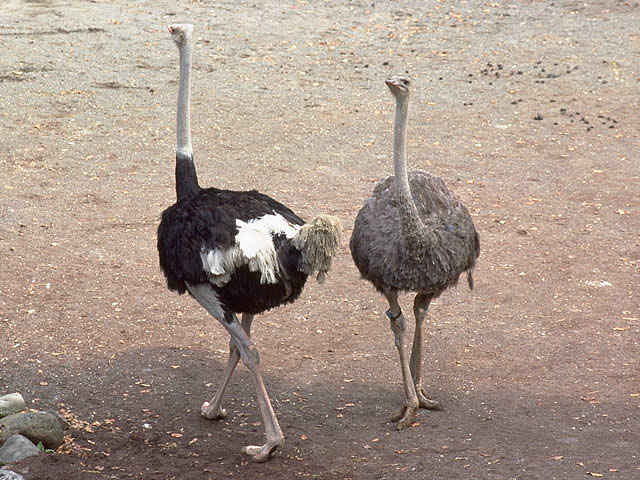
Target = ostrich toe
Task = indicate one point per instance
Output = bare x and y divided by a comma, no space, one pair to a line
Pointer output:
260,453
405,417
209,412
425,402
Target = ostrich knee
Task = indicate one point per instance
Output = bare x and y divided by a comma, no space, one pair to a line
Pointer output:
399,328
250,357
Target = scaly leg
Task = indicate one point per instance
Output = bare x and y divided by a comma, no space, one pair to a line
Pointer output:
420,307
212,410
407,414
207,297
275,438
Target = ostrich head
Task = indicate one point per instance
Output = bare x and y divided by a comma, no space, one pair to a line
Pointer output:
180,32
399,86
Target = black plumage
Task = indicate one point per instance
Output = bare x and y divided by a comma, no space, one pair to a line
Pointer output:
206,219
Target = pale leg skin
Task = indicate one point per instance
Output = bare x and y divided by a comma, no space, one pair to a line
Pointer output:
213,410
407,414
420,308
249,355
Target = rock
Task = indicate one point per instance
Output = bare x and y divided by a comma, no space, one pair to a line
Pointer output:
63,421
10,404
17,448
9,475
36,426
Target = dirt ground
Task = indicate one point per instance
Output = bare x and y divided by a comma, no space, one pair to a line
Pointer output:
527,109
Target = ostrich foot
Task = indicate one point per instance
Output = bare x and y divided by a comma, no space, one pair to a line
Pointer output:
405,417
209,413
261,453
427,402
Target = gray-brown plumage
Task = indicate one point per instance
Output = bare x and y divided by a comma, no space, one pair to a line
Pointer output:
415,235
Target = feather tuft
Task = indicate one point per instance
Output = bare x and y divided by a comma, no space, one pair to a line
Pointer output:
318,241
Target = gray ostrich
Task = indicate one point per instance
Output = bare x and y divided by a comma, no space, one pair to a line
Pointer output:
414,235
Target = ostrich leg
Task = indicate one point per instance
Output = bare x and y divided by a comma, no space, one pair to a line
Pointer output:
407,414
251,358
212,410
420,308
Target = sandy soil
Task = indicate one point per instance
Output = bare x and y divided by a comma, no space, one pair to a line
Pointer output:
527,109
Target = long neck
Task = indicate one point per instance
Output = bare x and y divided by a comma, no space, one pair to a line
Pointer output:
408,211
186,177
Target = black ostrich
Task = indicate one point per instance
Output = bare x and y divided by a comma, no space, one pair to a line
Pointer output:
236,252
415,235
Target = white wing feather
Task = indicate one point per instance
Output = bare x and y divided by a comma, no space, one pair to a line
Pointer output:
253,247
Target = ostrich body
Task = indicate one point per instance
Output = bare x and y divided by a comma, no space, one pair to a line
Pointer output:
415,235
236,252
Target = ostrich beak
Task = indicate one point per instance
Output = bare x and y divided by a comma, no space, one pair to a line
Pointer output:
170,29
398,82
395,81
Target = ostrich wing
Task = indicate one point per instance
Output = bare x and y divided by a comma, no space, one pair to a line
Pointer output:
211,234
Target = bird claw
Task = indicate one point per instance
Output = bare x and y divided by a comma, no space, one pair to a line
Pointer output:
425,402
211,414
405,417
259,453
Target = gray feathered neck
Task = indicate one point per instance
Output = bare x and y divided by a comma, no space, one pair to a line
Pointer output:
412,227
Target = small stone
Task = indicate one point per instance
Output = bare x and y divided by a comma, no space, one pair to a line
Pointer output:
10,404
16,448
